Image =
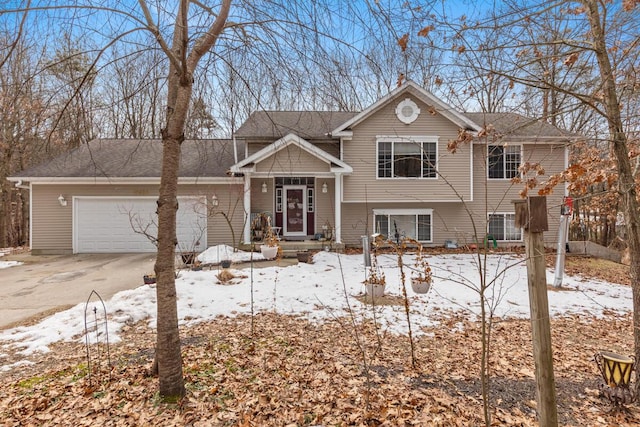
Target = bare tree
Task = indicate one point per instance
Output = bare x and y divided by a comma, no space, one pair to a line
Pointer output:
592,37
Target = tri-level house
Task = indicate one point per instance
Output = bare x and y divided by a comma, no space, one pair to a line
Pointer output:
388,169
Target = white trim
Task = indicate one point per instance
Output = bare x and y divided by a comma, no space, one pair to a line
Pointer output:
504,230
403,211
420,93
249,164
125,180
504,145
408,212
405,200
417,139
337,220
247,208
31,215
471,172
415,111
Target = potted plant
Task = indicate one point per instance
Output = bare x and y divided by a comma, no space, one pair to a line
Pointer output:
270,246
258,225
421,276
327,231
375,282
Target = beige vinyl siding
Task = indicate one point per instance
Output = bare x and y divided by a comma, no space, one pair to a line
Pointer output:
262,202
449,221
292,160
51,224
254,147
325,211
225,223
361,153
332,148
500,193
356,222
52,227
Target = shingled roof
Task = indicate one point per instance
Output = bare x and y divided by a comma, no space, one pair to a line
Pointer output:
129,158
315,125
517,126
310,125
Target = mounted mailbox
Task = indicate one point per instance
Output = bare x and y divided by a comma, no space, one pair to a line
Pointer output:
531,214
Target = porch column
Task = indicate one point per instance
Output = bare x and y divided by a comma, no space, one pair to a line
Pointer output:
247,208
338,208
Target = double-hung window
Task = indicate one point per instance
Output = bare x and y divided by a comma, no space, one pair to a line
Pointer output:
502,226
407,157
404,223
504,161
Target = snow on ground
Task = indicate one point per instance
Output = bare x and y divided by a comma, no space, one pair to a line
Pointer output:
327,288
7,264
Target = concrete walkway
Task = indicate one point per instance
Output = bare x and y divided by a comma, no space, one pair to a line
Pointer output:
50,283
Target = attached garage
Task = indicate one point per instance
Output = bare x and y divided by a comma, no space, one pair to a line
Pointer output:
121,224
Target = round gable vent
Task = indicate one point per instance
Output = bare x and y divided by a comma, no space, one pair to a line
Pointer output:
407,111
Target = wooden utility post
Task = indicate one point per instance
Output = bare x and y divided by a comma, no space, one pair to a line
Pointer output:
531,214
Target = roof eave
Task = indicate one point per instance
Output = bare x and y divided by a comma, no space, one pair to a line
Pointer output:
123,180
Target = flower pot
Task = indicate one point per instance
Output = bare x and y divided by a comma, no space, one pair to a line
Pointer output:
269,252
225,263
420,286
376,290
615,368
188,257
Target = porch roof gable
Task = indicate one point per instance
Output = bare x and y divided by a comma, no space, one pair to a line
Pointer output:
248,164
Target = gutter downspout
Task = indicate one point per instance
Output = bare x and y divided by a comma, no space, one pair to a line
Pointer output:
235,150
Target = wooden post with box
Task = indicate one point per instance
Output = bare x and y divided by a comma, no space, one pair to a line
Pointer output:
531,215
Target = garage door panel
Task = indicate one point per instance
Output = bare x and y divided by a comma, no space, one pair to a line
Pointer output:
109,225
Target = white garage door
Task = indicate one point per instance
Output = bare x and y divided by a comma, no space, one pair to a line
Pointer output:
119,225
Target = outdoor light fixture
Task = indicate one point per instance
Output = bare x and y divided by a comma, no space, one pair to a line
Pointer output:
214,201
264,187
62,200
325,188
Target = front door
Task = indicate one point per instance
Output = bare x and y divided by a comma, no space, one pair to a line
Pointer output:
294,211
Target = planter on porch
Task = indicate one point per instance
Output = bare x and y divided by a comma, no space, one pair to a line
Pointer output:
269,252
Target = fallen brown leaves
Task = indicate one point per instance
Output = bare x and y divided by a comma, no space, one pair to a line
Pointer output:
289,372
598,268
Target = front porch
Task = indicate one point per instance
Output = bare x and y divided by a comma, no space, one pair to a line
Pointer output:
291,247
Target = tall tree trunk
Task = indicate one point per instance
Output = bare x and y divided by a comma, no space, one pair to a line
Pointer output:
626,185
168,350
180,88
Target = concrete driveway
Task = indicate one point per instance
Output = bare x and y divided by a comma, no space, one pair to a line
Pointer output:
49,283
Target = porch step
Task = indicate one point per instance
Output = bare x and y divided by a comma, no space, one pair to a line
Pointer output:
290,248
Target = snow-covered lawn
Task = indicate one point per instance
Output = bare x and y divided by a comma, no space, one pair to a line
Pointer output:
326,288
7,264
